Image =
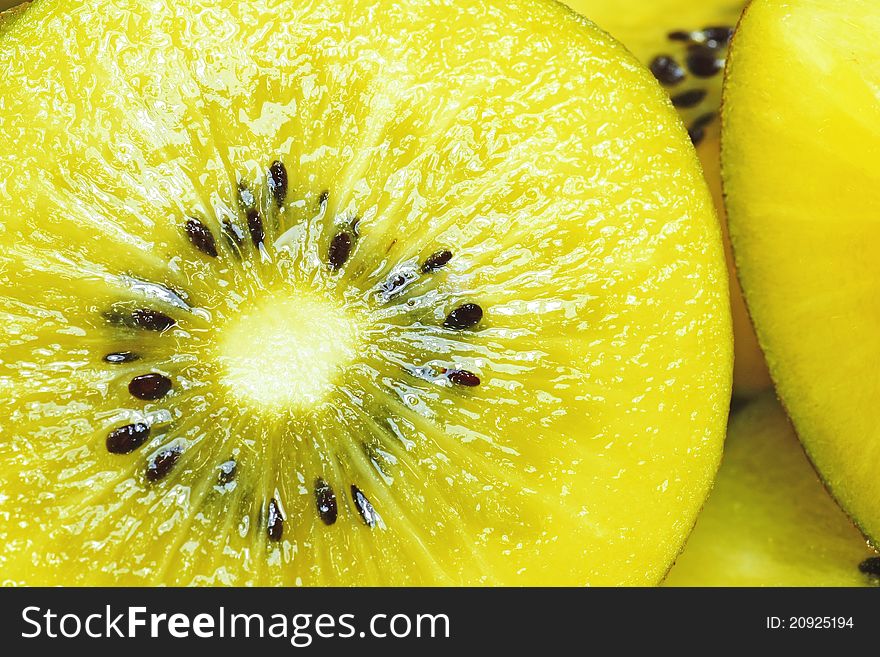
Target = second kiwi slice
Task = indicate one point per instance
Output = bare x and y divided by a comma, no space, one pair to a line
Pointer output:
349,293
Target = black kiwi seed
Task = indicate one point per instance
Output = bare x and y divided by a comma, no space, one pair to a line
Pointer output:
149,387
717,37
667,71
364,507
690,98
464,317
161,465
324,197
463,378
125,440
679,35
704,62
340,250
870,566
226,472
255,227
703,120
697,129
246,198
119,357
278,182
436,261
274,521
151,320
234,234
201,237
325,500
394,285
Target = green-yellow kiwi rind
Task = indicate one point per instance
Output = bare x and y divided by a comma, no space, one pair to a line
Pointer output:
8,15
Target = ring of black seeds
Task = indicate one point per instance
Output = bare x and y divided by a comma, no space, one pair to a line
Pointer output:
152,386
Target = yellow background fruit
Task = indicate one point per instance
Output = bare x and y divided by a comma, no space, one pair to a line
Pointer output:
769,520
799,157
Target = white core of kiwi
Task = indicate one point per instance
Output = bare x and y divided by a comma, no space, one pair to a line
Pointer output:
287,352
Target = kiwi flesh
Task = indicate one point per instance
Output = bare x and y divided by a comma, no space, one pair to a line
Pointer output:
294,295
684,43
800,145
769,521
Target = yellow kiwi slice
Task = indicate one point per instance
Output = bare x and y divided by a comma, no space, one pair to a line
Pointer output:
769,520
386,292
684,43
799,150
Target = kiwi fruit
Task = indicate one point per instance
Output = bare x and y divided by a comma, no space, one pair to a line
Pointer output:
799,146
301,294
769,521
684,43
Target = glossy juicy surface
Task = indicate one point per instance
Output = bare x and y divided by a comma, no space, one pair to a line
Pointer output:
407,312
684,43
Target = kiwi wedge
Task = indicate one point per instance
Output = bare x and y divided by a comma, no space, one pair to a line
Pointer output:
387,292
769,520
799,146
685,43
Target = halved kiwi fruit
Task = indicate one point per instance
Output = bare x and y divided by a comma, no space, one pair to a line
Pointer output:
684,43
349,293
800,148
769,520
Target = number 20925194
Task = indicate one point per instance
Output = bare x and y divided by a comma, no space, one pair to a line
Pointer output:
809,623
